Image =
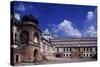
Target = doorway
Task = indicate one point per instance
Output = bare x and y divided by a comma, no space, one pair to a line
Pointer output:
35,55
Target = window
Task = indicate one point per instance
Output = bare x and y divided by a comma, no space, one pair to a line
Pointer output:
90,54
36,38
83,49
17,58
87,55
63,54
87,49
70,55
79,55
66,54
84,55
90,49
58,55
64,49
24,37
57,49
70,49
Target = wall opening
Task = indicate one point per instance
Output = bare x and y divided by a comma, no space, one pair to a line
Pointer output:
35,55
17,58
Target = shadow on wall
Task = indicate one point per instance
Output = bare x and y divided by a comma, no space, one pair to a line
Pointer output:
95,56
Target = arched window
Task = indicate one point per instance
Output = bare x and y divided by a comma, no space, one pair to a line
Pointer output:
17,58
24,38
36,38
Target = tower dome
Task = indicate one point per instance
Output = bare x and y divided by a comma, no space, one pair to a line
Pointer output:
29,18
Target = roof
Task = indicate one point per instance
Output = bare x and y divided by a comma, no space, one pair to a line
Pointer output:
74,39
76,45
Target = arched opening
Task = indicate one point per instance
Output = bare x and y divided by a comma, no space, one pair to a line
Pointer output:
17,58
36,38
58,55
24,38
35,55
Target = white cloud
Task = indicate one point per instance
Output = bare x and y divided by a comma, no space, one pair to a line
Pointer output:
91,32
65,28
20,7
17,16
90,15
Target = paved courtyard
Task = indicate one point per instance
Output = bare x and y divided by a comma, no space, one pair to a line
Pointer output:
59,60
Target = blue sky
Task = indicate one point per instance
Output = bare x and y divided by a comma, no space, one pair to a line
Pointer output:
61,20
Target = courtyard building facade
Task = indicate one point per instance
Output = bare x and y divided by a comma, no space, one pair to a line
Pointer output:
75,47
